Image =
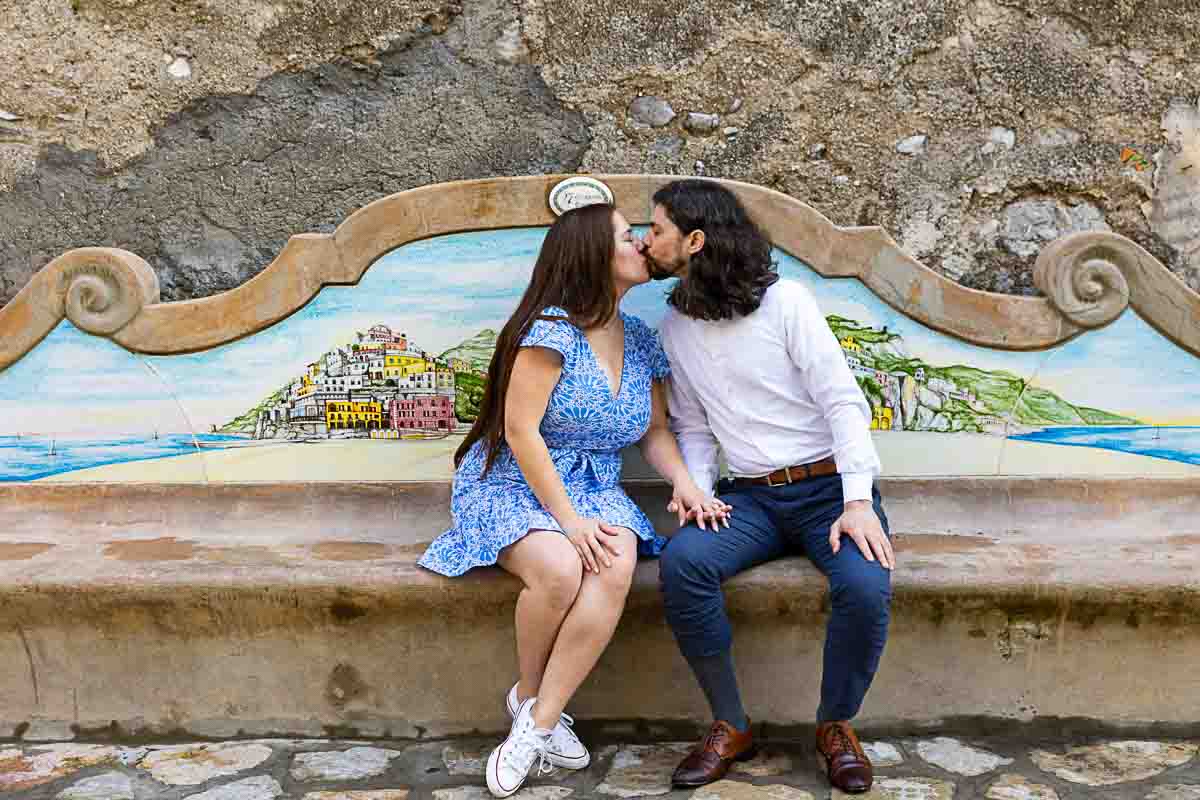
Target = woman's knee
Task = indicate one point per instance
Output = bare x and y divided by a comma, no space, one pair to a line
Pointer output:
553,572
619,577
560,583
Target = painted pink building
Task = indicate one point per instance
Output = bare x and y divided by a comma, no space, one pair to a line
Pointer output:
425,412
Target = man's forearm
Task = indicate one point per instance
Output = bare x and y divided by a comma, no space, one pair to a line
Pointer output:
700,456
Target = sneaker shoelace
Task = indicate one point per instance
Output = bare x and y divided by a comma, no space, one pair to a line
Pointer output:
529,746
562,731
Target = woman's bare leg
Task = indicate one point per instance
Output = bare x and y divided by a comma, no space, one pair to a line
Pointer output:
551,570
586,631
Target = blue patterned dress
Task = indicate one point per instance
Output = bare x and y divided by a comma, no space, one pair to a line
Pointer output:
584,427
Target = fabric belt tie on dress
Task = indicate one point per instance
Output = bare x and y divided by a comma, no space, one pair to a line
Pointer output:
786,475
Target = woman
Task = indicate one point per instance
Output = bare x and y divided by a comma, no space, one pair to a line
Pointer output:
571,382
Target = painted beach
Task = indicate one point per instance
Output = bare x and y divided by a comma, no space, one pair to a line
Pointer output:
1174,443
903,453
31,457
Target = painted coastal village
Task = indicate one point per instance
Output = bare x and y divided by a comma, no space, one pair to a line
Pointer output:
380,386
383,386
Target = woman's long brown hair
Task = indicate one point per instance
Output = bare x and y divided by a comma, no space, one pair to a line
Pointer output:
573,271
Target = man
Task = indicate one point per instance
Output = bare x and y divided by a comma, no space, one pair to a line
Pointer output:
757,372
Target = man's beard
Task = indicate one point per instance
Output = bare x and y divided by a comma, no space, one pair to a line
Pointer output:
660,271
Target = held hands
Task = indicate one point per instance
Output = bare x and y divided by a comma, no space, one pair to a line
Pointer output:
860,523
594,540
690,503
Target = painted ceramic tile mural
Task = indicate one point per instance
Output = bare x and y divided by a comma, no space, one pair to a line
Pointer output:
379,381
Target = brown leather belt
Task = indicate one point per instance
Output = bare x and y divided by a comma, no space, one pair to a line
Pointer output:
786,475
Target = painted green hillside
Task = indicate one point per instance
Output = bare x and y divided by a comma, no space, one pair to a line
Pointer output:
477,351
957,398
245,422
843,328
468,394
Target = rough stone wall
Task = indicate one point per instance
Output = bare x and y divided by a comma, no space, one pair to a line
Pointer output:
202,133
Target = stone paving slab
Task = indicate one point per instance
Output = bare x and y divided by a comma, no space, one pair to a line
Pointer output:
1001,767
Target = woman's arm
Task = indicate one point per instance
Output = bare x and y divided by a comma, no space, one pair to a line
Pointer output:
661,451
535,373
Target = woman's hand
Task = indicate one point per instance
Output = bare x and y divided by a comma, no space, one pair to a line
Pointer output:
594,541
691,503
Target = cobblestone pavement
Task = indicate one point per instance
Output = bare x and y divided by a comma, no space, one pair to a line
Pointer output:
932,768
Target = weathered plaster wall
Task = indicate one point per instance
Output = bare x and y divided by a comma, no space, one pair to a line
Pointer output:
201,133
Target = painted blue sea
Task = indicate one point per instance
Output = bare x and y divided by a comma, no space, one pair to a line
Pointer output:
27,458
1176,443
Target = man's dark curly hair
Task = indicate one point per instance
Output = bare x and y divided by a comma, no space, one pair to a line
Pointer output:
731,273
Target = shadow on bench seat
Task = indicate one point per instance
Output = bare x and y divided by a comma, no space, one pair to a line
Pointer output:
298,609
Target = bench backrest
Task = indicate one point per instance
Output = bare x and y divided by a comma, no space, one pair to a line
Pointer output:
360,355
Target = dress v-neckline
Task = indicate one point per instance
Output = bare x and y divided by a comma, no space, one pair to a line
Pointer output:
614,394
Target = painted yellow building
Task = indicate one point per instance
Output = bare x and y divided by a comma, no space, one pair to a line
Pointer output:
345,414
400,365
849,345
881,419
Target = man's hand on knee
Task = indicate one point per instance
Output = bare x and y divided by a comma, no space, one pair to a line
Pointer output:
860,522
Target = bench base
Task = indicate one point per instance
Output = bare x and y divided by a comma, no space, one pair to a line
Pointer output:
299,611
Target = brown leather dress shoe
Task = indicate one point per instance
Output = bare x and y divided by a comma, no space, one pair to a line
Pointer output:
712,758
847,765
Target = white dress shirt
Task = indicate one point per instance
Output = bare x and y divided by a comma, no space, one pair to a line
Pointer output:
771,389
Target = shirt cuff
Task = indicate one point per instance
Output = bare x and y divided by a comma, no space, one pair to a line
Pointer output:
705,478
856,486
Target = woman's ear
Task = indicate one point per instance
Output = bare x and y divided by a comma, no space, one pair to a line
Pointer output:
695,242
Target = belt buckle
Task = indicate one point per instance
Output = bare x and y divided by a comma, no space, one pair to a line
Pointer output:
787,473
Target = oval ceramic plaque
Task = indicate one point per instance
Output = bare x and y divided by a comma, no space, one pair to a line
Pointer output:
578,191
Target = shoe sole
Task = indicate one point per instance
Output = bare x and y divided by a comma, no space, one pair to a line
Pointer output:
558,761
745,756
823,765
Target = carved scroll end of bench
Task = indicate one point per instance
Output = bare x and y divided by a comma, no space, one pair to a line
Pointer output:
1084,275
987,319
101,290
1092,277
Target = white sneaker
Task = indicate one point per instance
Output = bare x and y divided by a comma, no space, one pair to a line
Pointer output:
509,764
565,750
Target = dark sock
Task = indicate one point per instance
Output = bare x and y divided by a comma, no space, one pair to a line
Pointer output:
719,682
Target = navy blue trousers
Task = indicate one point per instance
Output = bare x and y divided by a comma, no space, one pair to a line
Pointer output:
769,522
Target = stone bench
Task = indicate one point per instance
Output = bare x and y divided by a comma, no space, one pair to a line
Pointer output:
265,582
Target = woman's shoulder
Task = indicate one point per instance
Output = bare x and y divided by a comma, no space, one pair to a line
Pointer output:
640,332
555,313
553,318
644,340
552,328
636,323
